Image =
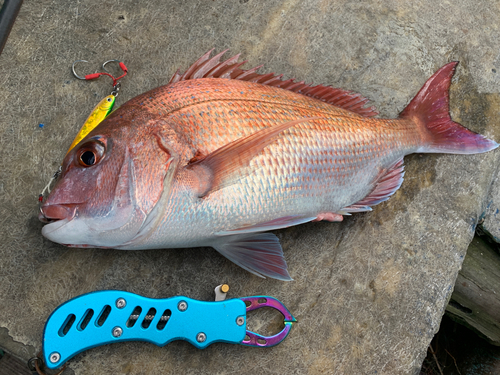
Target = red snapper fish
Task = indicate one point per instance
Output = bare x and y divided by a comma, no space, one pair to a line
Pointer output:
220,155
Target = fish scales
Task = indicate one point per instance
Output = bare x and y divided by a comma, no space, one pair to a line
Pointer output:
342,149
220,155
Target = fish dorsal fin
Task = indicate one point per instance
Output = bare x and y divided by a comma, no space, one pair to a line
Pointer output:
225,165
386,185
207,67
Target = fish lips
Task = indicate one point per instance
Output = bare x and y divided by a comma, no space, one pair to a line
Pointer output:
66,227
51,213
56,216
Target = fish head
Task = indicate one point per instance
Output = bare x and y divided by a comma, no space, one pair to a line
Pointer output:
109,184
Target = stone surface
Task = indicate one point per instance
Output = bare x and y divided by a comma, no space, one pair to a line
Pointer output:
491,223
369,293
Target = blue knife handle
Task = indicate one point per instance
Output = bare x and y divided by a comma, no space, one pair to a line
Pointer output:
109,316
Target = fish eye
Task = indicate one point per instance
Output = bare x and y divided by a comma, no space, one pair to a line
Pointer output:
90,153
88,158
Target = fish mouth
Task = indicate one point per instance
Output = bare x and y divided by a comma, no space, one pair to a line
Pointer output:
56,216
56,212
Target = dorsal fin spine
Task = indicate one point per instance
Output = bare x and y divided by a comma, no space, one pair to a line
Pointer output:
273,78
263,78
215,71
193,67
247,73
208,65
295,86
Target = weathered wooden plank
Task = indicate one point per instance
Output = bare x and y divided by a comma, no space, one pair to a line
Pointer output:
475,301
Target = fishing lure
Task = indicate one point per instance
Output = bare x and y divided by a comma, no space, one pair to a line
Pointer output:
111,316
98,114
105,106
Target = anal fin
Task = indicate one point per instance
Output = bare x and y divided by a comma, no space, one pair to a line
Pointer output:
386,184
258,253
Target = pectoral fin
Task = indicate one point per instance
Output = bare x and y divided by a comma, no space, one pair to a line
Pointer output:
225,165
260,254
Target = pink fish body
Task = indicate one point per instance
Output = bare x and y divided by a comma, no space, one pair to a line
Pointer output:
220,155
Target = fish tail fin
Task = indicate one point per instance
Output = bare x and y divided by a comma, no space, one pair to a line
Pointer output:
430,110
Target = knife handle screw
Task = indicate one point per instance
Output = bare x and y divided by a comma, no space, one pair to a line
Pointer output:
117,332
55,357
201,337
121,303
182,306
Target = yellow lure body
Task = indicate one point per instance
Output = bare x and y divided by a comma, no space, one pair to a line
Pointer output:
99,113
